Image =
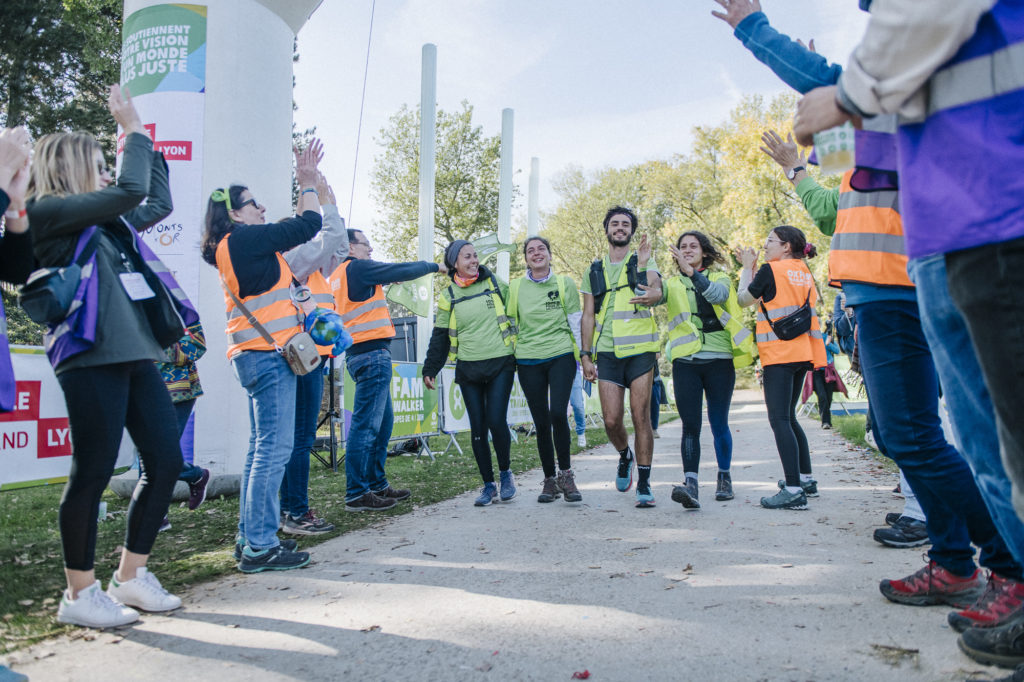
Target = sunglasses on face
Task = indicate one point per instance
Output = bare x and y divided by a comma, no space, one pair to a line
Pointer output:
254,203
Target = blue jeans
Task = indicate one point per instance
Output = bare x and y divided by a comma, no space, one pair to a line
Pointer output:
309,389
270,385
579,410
970,407
903,386
366,448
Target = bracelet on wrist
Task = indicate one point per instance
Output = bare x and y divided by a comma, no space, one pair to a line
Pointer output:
310,189
586,353
15,214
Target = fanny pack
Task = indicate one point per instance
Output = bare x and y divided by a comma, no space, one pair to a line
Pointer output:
793,325
47,295
300,351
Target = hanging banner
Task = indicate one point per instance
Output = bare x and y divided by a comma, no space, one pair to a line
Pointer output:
454,417
163,66
35,439
415,406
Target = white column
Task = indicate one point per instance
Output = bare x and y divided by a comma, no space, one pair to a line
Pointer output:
505,190
533,201
428,126
246,138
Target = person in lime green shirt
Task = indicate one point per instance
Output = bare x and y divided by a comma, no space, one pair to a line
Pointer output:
618,326
471,325
546,310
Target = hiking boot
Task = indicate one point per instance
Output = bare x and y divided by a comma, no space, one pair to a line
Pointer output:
307,524
1002,645
551,492
1002,599
892,517
686,494
94,609
274,559
396,494
197,490
369,502
581,440
933,584
624,473
905,532
144,592
810,487
567,482
288,544
724,490
487,495
644,496
785,500
508,485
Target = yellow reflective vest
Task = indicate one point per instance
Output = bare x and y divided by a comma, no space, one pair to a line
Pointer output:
685,339
633,328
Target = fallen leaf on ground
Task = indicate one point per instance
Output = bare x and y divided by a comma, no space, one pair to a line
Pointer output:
372,628
584,675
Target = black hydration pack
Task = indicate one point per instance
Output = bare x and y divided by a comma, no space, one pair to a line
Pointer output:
599,289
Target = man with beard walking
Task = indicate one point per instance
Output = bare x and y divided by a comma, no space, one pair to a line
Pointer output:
620,334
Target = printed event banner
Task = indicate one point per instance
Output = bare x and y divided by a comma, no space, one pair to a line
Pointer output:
163,66
35,439
414,405
454,417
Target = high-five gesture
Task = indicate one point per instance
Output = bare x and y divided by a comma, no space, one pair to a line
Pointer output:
123,110
783,152
306,163
736,10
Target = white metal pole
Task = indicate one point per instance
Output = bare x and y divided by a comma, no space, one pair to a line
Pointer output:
428,126
505,191
533,201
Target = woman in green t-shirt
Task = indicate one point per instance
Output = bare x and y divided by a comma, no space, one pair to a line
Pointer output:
546,310
471,323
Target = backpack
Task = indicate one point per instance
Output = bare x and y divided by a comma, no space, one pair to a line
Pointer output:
598,287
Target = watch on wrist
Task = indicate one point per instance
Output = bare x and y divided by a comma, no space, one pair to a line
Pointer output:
586,353
791,173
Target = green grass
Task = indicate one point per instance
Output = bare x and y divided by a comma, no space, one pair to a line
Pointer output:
851,427
198,546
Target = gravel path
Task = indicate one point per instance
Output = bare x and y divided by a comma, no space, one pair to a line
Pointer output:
528,591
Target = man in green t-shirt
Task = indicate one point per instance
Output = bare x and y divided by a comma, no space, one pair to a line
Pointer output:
617,292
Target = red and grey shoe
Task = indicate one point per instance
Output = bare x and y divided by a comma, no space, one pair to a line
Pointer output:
933,584
1002,599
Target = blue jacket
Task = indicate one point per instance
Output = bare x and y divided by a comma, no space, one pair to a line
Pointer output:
798,67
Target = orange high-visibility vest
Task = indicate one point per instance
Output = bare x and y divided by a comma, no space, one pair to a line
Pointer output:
868,245
365,320
273,309
793,282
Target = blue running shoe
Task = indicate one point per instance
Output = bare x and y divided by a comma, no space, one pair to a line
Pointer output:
487,495
624,476
508,485
644,496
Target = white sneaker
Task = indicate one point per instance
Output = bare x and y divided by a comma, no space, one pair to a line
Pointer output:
94,609
656,435
143,591
581,440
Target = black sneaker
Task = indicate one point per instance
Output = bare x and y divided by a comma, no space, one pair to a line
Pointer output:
370,502
686,494
724,490
396,494
1002,645
905,532
197,490
274,559
785,500
892,517
289,544
307,524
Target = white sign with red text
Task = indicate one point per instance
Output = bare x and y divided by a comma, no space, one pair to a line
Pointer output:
35,439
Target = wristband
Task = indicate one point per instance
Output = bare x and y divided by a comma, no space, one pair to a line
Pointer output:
586,353
12,214
310,189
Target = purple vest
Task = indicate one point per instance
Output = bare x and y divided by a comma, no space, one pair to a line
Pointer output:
876,158
76,333
962,167
7,392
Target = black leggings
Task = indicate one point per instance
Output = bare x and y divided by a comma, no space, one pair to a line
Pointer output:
824,395
103,401
555,375
691,382
487,406
782,387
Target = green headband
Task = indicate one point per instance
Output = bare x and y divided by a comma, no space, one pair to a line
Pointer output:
222,196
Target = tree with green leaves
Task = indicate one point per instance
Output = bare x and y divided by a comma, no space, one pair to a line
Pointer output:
58,57
466,184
